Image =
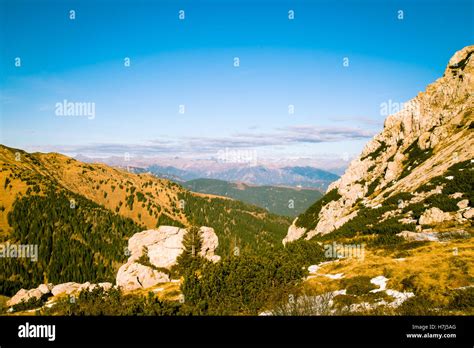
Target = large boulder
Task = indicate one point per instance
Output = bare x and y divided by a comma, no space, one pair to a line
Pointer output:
132,276
463,204
163,247
210,242
434,216
165,244
45,288
66,288
54,290
72,288
468,214
24,295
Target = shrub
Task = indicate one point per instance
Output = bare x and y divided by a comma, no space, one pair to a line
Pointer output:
141,197
385,240
462,299
358,285
341,301
372,186
416,208
246,284
442,201
402,196
416,156
114,302
382,147
417,305
409,283
33,302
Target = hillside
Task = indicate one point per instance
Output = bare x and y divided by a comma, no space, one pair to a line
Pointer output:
81,216
278,200
142,198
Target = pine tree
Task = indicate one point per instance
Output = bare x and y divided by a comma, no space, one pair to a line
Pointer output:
189,260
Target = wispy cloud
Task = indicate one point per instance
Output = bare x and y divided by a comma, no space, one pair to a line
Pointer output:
287,136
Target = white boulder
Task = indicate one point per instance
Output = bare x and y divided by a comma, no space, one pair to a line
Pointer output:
468,214
163,247
132,276
434,216
463,204
66,288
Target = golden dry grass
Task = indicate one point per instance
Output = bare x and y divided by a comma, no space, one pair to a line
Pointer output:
435,268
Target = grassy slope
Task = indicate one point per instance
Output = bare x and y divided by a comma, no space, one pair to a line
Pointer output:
432,271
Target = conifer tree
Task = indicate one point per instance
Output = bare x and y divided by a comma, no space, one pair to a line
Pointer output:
189,260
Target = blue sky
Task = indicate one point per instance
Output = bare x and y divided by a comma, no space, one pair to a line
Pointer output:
190,62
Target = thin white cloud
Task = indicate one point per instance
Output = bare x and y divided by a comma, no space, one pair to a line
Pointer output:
282,137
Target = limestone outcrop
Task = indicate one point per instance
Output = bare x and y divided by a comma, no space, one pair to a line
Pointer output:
432,132
162,247
54,290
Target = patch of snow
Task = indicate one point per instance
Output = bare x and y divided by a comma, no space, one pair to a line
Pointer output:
314,268
400,297
339,292
381,282
334,276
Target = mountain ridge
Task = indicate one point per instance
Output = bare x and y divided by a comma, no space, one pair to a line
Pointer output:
431,134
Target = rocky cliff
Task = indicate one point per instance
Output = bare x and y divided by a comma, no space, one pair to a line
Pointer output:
431,137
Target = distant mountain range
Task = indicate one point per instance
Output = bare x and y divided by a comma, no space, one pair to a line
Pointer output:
181,170
301,177
278,200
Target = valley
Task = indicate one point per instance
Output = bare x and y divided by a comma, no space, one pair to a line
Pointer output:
279,200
